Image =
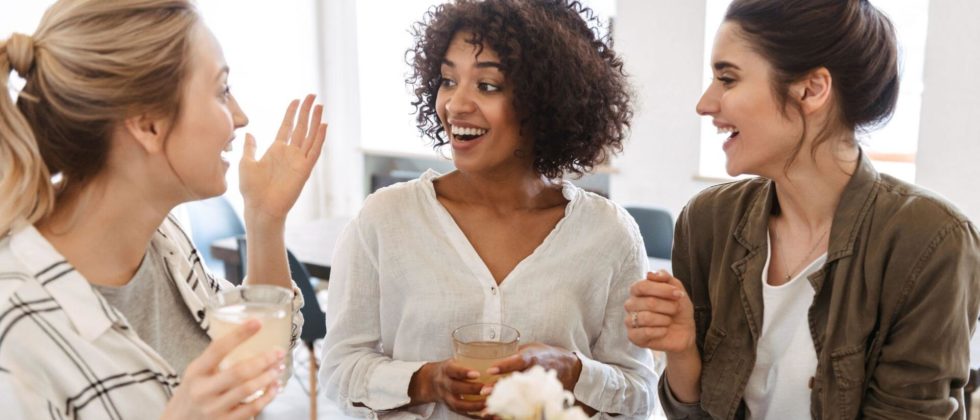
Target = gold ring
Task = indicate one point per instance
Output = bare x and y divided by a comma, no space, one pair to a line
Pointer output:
636,319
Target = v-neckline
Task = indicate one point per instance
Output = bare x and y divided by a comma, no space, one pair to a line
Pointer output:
477,266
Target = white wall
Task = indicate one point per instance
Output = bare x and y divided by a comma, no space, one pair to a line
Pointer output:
948,160
662,45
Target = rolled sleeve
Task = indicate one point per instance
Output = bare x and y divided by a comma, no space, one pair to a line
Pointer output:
674,408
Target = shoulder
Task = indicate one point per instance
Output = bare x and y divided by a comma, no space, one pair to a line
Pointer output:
899,199
727,200
909,214
603,216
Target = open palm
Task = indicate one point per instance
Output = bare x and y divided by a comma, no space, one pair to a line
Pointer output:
271,185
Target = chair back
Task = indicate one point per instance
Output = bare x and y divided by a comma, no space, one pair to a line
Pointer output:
210,220
656,228
314,320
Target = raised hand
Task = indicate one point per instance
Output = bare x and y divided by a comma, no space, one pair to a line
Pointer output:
659,314
271,185
209,393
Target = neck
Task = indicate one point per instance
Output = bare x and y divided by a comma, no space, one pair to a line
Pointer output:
810,190
508,191
104,228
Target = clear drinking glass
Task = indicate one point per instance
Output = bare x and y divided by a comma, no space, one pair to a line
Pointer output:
270,305
479,346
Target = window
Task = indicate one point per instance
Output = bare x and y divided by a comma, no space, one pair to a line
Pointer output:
892,147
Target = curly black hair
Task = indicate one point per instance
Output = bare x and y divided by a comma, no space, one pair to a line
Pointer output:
570,89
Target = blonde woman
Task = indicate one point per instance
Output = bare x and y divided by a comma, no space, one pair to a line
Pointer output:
127,108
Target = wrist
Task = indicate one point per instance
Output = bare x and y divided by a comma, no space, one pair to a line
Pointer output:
420,386
575,372
262,224
688,354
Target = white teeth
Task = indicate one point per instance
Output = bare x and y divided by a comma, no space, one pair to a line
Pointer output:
468,131
724,130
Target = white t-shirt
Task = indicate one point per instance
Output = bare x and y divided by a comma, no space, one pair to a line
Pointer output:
404,276
785,357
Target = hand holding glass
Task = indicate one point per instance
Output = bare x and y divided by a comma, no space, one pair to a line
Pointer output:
480,346
270,305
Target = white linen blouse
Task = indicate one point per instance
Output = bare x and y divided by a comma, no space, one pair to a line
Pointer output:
404,276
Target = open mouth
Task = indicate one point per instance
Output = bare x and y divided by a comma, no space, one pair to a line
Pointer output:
467,133
731,131
226,152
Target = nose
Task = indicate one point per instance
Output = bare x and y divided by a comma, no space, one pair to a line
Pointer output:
238,116
460,102
708,104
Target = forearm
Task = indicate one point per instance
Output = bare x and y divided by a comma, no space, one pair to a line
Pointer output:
266,250
684,374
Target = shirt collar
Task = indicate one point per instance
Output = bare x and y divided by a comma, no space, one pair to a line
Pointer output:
86,310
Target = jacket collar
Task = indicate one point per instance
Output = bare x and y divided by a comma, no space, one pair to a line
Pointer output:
859,193
751,233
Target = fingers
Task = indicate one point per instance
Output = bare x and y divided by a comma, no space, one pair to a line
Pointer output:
515,363
458,372
317,144
299,134
249,370
310,136
252,409
287,122
646,319
647,288
246,388
652,304
250,146
464,407
208,361
645,336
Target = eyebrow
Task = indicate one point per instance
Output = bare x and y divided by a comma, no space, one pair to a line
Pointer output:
722,65
223,71
479,64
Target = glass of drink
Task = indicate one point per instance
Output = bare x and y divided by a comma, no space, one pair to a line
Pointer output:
270,305
479,346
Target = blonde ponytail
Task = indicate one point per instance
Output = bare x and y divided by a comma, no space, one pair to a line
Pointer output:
26,192
89,65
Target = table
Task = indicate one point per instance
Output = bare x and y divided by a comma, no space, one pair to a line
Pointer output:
311,242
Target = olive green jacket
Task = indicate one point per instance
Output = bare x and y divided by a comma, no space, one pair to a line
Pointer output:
894,309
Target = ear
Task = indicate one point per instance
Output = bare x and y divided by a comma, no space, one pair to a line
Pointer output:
147,131
814,91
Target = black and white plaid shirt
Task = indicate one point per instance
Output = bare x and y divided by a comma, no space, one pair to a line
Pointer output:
67,353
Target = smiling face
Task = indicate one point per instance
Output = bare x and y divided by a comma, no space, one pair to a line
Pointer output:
207,121
761,134
475,106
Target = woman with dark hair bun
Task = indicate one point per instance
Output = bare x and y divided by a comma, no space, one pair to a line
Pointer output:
522,92
821,288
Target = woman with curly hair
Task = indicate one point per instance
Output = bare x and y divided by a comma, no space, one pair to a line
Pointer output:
522,92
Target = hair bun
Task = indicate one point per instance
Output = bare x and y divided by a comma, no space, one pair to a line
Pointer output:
20,52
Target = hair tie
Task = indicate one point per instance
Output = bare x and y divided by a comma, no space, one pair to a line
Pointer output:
20,52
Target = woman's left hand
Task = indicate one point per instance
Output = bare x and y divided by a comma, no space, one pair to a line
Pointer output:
566,363
271,185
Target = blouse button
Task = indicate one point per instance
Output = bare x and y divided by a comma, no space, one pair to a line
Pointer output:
493,290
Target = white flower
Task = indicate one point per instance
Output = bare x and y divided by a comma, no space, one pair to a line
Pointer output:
529,394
